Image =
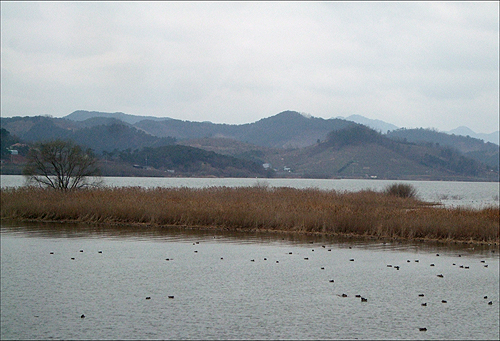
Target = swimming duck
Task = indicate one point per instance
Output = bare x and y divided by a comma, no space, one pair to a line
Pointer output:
440,275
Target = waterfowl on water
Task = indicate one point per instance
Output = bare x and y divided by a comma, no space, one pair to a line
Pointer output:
289,253
99,251
148,298
52,253
432,264
351,260
72,258
437,254
322,268
170,297
490,302
486,265
396,267
81,250
485,297
440,275
422,329
483,261
420,295
277,261
389,265
358,296
364,299
444,301
424,304
344,295
83,316
466,267
416,260
306,258
252,260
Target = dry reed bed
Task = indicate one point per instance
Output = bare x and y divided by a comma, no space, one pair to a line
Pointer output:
364,213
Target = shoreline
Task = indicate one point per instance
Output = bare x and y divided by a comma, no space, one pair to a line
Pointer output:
364,214
268,231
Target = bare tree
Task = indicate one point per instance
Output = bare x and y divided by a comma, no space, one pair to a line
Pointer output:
61,165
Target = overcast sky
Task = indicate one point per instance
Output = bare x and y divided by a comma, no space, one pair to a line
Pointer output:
422,64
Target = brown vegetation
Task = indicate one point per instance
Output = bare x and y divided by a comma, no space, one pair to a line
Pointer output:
365,213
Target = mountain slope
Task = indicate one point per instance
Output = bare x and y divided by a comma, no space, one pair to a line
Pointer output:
361,152
288,129
377,125
82,115
464,131
488,153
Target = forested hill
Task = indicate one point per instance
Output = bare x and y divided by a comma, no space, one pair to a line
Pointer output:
486,152
288,129
289,140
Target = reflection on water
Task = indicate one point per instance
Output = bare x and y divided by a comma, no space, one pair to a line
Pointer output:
205,284
185,234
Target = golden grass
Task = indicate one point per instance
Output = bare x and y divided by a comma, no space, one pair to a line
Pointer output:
364,213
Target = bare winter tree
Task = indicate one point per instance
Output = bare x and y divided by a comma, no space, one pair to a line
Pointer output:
61,165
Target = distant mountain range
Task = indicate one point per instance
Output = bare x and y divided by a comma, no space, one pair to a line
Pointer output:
291,143
384,127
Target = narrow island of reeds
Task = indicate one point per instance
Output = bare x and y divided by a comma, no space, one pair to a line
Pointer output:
365,213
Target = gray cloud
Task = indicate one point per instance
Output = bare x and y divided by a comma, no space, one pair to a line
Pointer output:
411,64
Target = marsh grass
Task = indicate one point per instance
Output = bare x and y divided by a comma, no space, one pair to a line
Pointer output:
364,213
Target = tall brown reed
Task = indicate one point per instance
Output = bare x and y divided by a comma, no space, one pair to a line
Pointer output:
364,213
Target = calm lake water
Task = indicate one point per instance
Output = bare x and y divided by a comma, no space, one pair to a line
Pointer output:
239,286
449,193
228,285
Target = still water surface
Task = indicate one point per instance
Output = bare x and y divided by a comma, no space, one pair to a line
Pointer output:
448,193
239,286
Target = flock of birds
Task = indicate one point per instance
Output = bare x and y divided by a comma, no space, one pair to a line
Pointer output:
363,299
